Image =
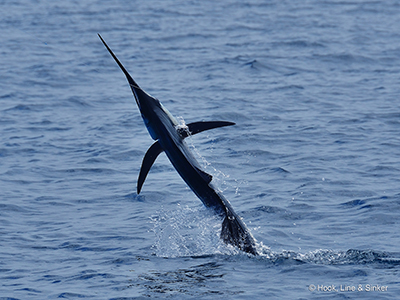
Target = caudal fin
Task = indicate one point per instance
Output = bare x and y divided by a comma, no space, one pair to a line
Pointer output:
234,232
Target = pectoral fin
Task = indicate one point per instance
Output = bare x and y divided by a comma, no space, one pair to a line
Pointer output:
148,161
197,127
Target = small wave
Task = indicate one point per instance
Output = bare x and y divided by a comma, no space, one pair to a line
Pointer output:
195,232
189,281
299,44
332,257
20,107
188,232
78,101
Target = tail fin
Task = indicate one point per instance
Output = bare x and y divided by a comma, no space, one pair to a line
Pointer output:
235,232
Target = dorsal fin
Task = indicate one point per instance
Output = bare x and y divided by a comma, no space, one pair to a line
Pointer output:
148,161
197,127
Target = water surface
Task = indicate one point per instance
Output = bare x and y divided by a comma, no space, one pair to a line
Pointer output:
312,165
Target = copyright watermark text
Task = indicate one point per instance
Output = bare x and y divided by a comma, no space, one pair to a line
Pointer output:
342,288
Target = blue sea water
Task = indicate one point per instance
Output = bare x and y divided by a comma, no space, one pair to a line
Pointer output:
312,165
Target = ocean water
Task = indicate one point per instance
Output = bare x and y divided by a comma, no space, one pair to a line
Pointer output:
312,165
